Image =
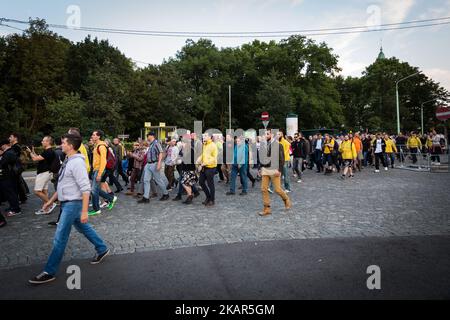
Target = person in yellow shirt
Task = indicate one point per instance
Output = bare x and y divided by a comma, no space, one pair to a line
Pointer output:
391,149
328,153
208,165
349,155
414,145
287,159
99,161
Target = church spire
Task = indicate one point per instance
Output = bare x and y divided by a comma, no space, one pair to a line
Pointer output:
381,54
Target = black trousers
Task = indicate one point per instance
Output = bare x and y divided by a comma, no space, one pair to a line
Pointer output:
318,159
21,188
121,173
378,157
207,182
414,154
112,178
219,169
9,190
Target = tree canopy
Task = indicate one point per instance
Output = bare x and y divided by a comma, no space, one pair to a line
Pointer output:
49,83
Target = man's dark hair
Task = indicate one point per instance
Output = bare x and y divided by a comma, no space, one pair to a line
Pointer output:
73,139
16,135
100,133
50,138
58,141
151,134
75,131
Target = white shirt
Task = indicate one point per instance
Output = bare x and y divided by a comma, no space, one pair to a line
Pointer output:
319,144
379,149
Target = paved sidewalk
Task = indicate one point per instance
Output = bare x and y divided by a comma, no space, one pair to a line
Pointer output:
393,203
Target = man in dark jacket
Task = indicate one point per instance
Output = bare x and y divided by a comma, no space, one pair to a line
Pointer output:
379,148
300,153
272,163
8,179
21,185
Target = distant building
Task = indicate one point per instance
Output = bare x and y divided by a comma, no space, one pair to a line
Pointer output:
381,54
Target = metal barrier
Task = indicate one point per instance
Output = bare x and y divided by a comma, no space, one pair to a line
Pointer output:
424,162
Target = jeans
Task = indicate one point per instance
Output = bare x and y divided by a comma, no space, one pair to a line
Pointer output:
97,192
297,162
366,155
243,175
150,173
285,174
318,159
207,176
390,159
71,214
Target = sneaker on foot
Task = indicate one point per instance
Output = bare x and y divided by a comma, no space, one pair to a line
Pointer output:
164,197
299,181
376,171
40,212
94,213
385,168
50,209
229,193
41,278
11,213
98,258
270,190
111,205
143,200
53,223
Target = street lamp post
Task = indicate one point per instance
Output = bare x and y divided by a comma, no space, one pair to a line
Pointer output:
421,112
229,106
396,94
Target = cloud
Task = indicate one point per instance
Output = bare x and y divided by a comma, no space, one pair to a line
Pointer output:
439,75
296,2
395,11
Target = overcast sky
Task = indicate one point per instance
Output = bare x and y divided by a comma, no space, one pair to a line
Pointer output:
428,48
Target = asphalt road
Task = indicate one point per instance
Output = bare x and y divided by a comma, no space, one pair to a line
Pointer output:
411,268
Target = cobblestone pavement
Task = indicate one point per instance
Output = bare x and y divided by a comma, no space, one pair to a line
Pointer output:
393,203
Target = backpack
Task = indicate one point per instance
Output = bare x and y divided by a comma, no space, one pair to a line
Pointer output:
110,158
56,163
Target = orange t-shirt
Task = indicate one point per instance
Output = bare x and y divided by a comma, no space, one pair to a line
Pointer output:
358,144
